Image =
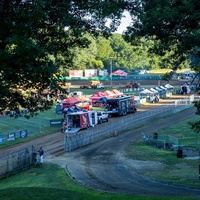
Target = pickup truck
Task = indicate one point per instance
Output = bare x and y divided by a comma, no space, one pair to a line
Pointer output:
102,116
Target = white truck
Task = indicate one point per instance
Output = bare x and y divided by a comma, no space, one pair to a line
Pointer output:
102,116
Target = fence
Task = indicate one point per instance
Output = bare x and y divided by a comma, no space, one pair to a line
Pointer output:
17,161
91,135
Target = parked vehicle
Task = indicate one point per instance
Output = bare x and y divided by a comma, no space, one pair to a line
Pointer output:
76,121
120,105
84,86
100,86
96,84
102,116
76,93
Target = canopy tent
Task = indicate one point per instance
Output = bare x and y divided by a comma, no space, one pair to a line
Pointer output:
110,94
83,99
85,102
70,101
168,86
146,92
119,72
117,92
71,109
101,100
96,96
151,96
153,90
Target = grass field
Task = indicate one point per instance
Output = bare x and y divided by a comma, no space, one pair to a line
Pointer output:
36,126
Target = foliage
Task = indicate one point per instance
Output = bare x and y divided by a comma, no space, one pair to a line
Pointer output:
174,26
34,32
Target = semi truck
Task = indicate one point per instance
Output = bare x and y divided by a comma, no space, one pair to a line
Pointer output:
120,105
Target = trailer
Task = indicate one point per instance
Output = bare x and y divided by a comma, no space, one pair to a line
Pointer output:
120,105
76,121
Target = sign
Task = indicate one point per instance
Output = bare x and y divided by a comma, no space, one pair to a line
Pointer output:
84,120
11,137
103,72
23,133
56,122
58,109
75,73
91,73
1,139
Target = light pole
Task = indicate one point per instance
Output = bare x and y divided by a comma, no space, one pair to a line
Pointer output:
111,58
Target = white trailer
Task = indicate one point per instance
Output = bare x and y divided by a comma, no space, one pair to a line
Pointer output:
76,121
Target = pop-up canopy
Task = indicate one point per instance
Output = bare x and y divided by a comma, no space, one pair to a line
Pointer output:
119,72
71,101
95,97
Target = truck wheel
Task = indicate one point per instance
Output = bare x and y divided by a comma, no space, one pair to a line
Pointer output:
62,130
100,121
107,119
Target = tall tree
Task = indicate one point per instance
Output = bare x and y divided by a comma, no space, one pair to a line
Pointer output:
175,24
34,31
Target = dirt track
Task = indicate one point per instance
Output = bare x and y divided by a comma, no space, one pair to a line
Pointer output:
143,83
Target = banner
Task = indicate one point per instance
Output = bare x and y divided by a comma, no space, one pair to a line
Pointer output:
91,73
11,137
1,139
23,133
56,122
84,120
75,73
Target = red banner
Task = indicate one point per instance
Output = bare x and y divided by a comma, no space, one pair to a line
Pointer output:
84,120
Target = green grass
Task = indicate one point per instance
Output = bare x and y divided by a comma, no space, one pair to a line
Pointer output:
36,126
173,169
49,182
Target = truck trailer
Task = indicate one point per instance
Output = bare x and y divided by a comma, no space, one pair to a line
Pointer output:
120,105
76,121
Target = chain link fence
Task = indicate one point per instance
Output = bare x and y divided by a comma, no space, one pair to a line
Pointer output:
17,161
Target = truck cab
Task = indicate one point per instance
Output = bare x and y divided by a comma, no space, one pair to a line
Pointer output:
102,116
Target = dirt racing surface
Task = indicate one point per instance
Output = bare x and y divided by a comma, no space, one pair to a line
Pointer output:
103,166
142,83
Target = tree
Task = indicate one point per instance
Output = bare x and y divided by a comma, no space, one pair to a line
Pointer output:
104,51
175,26
35,31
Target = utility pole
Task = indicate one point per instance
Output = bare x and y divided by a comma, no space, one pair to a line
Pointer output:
111,58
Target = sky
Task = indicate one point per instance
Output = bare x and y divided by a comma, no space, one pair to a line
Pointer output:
126,20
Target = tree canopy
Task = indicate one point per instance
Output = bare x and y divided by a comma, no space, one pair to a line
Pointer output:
39,39
35,35
174,24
